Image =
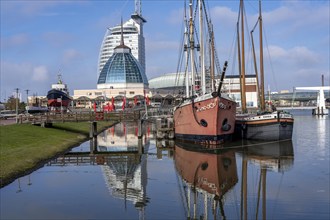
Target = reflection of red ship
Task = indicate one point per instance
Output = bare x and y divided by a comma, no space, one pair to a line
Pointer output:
214,173
59,96
211,174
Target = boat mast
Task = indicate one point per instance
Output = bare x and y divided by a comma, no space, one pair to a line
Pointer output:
212,60
242,63
255,66
262,88
202,55
192,48
186,52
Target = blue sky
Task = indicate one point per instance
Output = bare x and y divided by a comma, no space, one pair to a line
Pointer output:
39,38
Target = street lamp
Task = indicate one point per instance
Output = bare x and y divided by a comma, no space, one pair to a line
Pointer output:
17,105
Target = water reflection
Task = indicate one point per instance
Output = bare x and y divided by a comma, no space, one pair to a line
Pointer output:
205,173
212,173
119,176
274,156
120,154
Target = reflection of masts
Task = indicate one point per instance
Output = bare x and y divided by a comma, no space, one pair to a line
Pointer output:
244,188
262,180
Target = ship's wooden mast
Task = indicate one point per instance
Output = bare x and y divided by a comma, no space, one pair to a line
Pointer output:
242,62
192,48
262,88
202,55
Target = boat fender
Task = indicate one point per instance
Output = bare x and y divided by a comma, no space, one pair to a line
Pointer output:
203,123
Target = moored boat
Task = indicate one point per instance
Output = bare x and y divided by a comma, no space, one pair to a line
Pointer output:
205,115
265,125
36,109
59,96
205,119
269,126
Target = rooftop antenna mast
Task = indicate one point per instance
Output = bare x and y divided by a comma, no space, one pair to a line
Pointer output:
138,7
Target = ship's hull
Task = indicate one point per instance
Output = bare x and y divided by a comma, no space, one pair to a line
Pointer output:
266,128
36,109
55,96
209,120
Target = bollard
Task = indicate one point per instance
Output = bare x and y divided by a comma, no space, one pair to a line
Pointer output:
93,145
158,123
159,147
140,146
170,123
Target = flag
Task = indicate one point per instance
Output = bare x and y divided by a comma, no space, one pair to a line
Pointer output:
113,104
109,107
94,106
124,103
147,101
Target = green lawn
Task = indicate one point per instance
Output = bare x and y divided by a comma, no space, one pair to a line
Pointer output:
24,147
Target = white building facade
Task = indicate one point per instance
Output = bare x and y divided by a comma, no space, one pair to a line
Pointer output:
133,37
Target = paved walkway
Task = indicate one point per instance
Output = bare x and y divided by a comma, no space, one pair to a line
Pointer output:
7,122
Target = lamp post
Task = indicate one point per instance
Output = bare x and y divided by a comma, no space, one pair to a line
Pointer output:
17,105
27,97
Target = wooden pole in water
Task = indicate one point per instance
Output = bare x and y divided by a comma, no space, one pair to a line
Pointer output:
93,129
140,128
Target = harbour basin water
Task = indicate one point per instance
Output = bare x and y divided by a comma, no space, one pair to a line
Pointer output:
131,178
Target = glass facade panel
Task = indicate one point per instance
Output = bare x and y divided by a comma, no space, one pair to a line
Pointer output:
122,68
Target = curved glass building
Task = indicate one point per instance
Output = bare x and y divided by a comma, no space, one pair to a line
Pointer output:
122,70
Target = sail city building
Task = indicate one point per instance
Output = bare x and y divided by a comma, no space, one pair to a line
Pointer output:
133,36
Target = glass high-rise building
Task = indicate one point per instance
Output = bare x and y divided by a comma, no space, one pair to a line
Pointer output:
133,37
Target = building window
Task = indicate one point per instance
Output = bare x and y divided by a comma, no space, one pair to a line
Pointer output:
131,93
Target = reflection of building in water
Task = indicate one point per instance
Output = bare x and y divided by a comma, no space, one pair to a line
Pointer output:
126,178
125,174
121,137
206,173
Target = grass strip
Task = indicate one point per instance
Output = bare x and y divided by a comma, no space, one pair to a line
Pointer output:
24,147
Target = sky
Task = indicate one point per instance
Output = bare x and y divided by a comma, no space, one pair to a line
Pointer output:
41,38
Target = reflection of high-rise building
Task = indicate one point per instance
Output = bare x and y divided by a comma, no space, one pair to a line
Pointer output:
133,37
125,174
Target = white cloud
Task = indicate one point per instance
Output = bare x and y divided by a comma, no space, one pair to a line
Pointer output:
40,74
299,55
176,16
57,38
15,40
24,76
71,55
